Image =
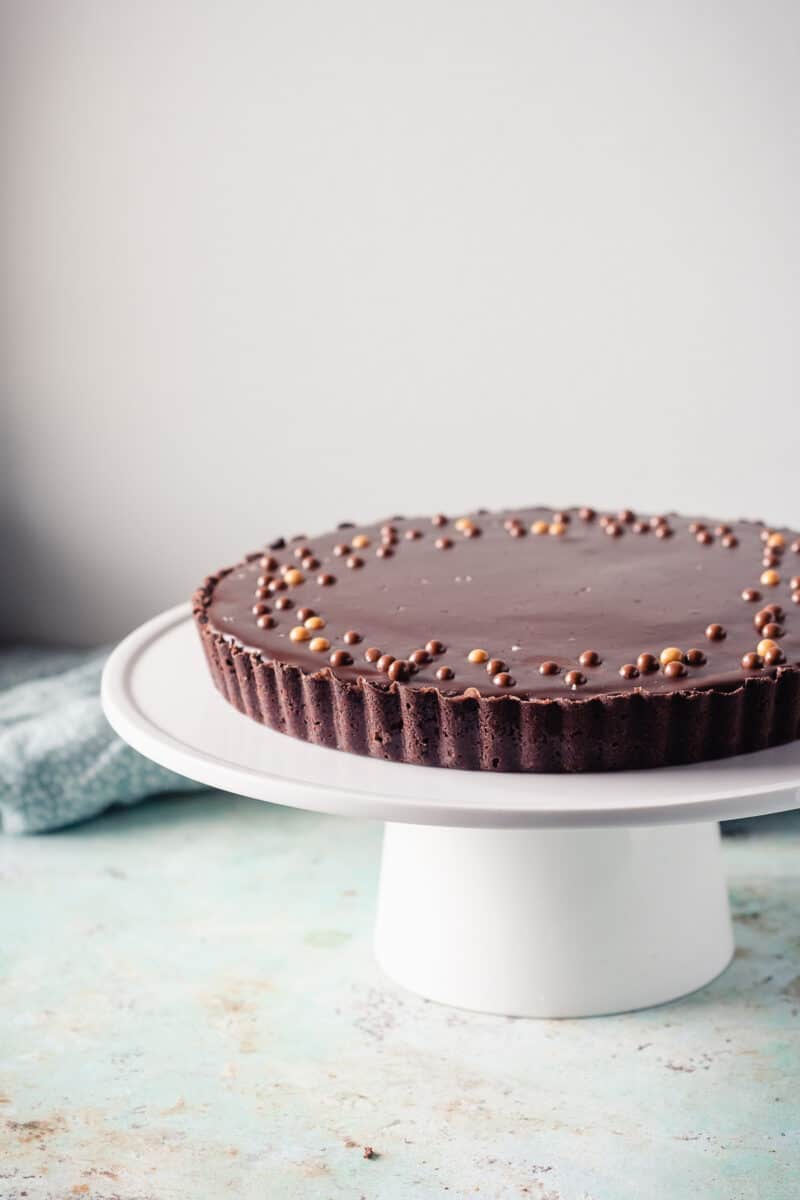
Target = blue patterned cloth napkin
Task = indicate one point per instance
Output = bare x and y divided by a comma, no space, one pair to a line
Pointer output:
60,761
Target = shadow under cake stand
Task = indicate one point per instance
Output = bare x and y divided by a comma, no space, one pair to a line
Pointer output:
529,895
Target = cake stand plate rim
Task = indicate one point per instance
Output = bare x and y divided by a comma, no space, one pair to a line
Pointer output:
158,696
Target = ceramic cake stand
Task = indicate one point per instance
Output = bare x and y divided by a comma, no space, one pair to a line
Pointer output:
530,895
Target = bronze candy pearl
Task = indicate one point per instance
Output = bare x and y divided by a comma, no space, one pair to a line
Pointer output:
434,646
574,679
695,658
495,666
647,663
352,638
420,657
549,668
265,621
384,552
503,679
774,657
443,543
340,658
674,669
444,672
751,661
772,630
372,654
399,671
751,595
384,662
715,632
629,671
589,658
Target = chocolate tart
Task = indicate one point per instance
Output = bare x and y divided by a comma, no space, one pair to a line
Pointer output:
527,640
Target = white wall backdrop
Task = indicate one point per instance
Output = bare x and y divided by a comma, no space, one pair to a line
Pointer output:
267,266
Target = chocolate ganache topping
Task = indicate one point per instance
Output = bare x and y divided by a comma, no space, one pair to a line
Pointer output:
321,637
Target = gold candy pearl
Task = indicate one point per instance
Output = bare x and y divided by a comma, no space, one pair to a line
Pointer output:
293,577
764,645
776,541
360,541
557,529
670,654
299,634
770,578
319,645
463,523
314,623
540,527
478,656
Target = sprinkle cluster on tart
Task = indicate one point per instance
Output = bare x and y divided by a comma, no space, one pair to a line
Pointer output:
526,640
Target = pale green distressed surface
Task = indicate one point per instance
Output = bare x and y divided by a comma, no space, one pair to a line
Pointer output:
190,1011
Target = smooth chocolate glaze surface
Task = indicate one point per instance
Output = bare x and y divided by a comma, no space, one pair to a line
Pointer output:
527,599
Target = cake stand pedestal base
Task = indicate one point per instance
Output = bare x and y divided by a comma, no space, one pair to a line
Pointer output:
553,922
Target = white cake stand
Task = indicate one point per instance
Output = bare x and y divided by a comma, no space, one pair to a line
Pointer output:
530,895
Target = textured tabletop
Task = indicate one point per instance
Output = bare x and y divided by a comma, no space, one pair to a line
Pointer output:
190,1011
